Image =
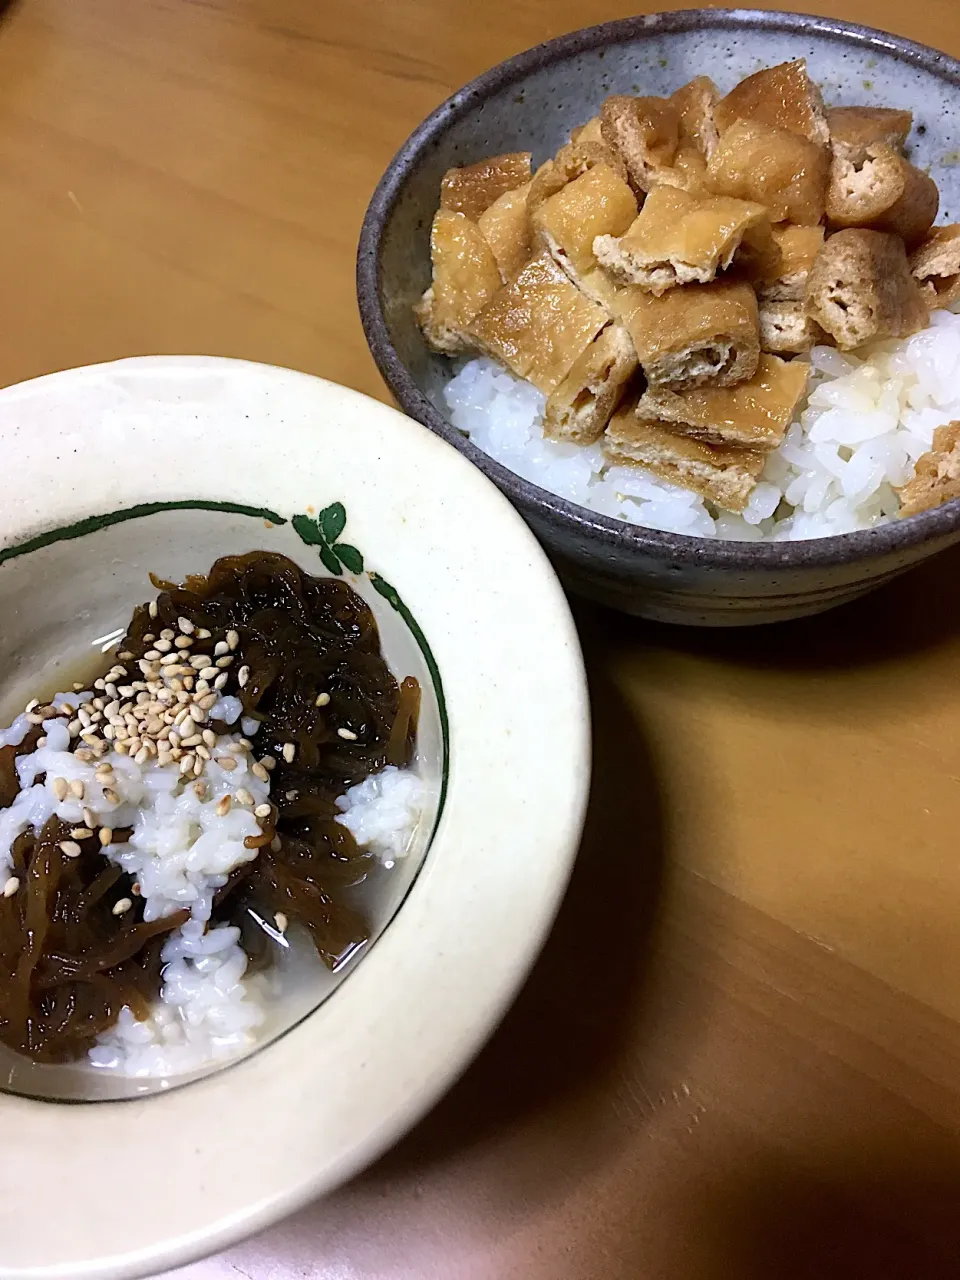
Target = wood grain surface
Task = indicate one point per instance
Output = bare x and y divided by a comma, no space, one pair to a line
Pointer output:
739,1056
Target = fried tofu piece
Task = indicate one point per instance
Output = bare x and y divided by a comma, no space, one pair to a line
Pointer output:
798,247
473,188
570,163
539,324
937,476
696,104
884,193
751,415
465,278
580,408
784,97
773,167
695,335
860,288
507,229
597,205
722,475
645,132
853,129
589,132
678,238
786,329
936,266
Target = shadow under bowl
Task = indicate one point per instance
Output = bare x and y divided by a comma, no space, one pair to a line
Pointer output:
531,102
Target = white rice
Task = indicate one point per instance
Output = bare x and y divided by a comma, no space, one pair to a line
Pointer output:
866,420
181,851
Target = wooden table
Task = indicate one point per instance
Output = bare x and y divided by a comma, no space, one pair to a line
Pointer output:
739,1056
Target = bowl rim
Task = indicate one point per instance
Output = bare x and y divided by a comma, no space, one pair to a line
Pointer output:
426,997
620,535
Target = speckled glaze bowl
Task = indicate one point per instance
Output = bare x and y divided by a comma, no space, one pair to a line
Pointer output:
165,463
531,102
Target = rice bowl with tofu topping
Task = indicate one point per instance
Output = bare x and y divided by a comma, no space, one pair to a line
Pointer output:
658,328
226,795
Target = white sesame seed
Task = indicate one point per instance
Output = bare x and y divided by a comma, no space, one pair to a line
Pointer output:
153,655
220,648
281,922
289,751
76,788
225,662
210,700
193,740
68,709
120,747
221,680
233,639
223,807
263,811
124,905
200,661
347,734
227,762
143,755
88,818
104,772
83,755
99,684
209,737
81,833
34,718
323,699
260,772
162,646
106,836
10,887
59,788
152,608
31,705
201,789
243,796
243,675
78,688
186,626
110,795
268,762
187,763
70,848
208,673
41,741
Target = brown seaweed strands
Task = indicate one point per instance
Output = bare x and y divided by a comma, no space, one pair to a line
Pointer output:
306,663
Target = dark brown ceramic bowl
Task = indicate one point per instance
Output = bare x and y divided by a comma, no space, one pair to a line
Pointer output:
531,102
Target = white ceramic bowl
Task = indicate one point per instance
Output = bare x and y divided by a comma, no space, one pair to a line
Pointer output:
164,463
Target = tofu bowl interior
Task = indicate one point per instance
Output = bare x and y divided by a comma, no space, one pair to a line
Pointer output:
273,858
696,274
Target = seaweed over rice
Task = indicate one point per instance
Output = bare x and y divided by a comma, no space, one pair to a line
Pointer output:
158,829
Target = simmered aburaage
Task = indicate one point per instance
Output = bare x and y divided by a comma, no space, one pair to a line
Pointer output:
663,278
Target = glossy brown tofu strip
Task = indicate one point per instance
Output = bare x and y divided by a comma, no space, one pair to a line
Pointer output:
853,129
696,103
798,247
936,266
645,132
571,162
937,476
580,408
465,278
783,96
597,204
883,193
785,173
786,329
860,288
474,187
703,333
539,324
678,238
723,475
507,230
752,415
